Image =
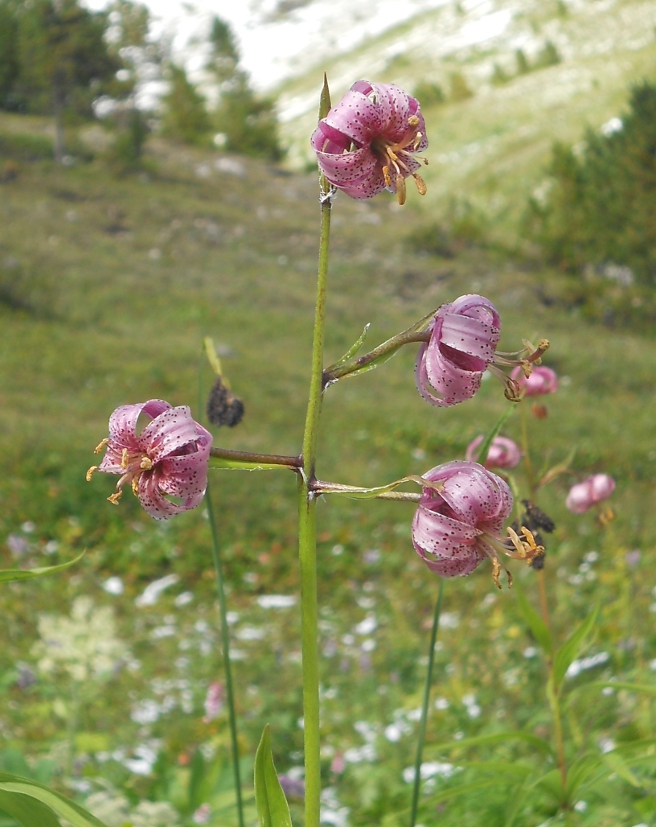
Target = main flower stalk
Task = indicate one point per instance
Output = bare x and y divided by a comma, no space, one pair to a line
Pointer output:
307,538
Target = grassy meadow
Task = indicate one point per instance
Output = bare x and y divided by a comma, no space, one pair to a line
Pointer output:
107,287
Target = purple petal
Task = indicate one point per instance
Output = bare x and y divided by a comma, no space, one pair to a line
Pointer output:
185,476
156,504
348,168
357,117
168,433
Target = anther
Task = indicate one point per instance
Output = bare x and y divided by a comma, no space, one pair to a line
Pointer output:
125,458
387,177
135,486
400,189
146,464
116,496
413,121
421,184
91,471
101,445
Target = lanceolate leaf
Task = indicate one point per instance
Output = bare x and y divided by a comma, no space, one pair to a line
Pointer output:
538,627
350,353
272,807
487,442
33,799
570,649
27,574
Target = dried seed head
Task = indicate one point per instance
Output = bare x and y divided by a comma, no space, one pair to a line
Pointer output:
223,407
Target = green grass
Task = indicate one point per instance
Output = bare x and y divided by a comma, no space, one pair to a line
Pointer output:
108,321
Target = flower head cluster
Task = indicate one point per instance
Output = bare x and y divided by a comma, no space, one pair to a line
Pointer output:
503,453
84,646
169,458
584,495
366,143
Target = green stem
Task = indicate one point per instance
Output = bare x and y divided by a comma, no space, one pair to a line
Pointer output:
424,708
216,554
527,453
307,542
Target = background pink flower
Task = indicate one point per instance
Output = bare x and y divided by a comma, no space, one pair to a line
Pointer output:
542,380
463,340
452,527
503,453
584,495
366,142
169,458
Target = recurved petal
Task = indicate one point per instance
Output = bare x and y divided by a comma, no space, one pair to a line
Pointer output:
185,476
395,103
474,337
423,385
457,566
357,117
326,139
123,425
169,433
477,496
439,535
349,168
453,381
156,504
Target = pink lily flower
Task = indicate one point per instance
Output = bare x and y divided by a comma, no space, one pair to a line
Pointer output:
169,458
464,336
458,525
504,452
542,380
365,144
584,495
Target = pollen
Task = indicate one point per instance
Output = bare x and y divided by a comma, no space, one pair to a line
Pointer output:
101,445
125,458
115,497
91,472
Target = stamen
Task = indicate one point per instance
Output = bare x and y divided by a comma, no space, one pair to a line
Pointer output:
421,184
91,471
146,463
125,458
116,496
387,177
413,121
135,486
400,189
101,445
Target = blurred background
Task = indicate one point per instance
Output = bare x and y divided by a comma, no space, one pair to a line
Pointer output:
157,186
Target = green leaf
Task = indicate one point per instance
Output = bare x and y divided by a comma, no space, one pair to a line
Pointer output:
487,442
272,807
557,470
647,688
538,627
20,788
584,772
350,353
571,648
27,574
497,738
619,765
27,810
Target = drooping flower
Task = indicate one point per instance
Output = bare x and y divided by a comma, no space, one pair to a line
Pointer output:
542,380
584,495
167,459
503,453
464,336
460,519
366,143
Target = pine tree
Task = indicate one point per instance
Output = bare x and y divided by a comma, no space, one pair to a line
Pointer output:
185,114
